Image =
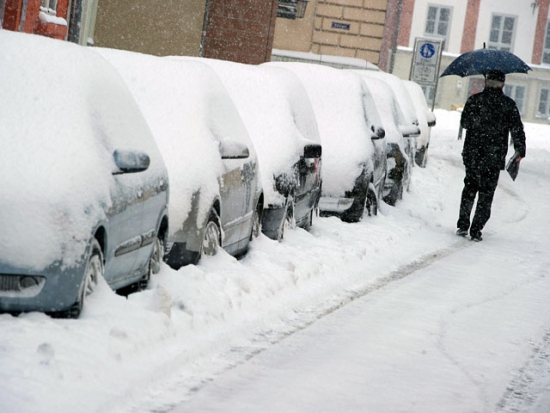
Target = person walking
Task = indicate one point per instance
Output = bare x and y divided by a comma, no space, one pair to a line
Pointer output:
488,117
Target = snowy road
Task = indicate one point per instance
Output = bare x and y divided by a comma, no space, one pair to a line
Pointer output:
393,314
445,338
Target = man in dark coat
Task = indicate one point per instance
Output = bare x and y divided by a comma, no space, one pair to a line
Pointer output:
488,117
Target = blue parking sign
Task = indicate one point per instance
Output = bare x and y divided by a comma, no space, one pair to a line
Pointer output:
427,50
425,64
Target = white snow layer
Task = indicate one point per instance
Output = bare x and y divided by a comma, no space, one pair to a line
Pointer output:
454,326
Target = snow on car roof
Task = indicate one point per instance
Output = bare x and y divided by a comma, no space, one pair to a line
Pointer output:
422,110
338,99
277,112
61,121
189,112
397,85
388,108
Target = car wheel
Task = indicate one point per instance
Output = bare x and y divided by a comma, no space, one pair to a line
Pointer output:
212,234
372,201
156,256
256,223
309,221
288,221
396,193
153,266
94,270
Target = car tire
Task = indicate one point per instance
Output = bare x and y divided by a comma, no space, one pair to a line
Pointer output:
288,221
211,240
395,194
309,221
357,210
95,269
372,201
256,223
153,266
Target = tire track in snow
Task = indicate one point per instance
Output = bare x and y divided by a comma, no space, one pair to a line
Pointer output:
531,381
302,319
185,386
517,392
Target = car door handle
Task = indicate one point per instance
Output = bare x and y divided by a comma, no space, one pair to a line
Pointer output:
162,185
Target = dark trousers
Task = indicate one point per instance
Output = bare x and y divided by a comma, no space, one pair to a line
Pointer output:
482,182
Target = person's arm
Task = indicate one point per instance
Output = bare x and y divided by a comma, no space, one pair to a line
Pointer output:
517,132
467,120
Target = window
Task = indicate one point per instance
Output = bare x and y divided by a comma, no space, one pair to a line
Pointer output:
438,22
502,32
292,9
516,92
544,103
546,50
49,6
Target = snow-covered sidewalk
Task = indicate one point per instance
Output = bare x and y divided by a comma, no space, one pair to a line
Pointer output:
151,351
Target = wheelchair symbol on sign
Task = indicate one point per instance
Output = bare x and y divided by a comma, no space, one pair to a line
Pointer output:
427,50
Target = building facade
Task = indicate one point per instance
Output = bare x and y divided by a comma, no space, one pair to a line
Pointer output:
519,26
71,20
319,30
236,30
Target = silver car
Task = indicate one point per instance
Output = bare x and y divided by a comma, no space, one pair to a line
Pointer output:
216,198
83,187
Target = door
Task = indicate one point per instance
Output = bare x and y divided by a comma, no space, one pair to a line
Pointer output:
124,231
237,200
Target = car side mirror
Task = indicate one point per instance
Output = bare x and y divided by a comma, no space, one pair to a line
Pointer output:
230,149
128,161
377,132
431,119
411,131
313,150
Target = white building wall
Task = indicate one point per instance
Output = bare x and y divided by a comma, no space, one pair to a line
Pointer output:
458,15
526,22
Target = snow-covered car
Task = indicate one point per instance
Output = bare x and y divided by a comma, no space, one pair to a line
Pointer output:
398,132
216,197
354,147
405,103
276,111
426,120
83,187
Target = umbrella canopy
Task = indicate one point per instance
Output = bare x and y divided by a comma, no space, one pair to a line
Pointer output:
482,61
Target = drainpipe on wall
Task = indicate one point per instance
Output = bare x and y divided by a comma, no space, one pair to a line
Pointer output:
204,27
396,35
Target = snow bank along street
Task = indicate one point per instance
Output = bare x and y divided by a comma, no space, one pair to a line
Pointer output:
395,313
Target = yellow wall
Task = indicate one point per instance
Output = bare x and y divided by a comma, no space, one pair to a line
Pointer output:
167,27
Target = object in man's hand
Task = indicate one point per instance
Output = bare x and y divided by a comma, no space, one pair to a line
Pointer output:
513,166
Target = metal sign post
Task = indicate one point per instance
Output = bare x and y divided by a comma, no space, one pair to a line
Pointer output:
425,63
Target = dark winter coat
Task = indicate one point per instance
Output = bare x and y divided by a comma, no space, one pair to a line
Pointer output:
489,117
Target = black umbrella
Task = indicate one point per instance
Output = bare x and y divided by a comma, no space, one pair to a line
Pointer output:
482,61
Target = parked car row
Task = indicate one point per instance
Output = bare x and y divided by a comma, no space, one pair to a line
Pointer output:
117,161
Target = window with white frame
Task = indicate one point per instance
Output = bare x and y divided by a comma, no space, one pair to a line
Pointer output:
546,50
502,32
516,92
438,22
544,102
49,6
